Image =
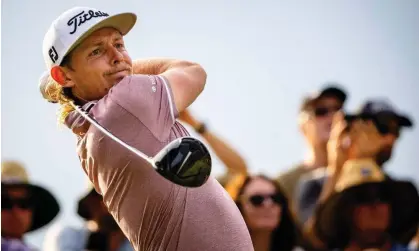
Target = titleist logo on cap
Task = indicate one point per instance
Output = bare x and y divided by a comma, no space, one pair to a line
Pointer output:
83,17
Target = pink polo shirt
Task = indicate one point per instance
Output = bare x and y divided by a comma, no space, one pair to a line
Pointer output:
154,213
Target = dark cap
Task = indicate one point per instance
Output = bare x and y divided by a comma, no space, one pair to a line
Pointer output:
330,90
82,209
376,107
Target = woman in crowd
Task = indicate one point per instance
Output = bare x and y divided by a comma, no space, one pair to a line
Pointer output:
266,212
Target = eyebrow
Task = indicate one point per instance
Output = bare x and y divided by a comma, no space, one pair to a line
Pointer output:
97,43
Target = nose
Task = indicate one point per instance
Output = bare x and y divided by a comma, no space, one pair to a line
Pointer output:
267,202
115,56
390,139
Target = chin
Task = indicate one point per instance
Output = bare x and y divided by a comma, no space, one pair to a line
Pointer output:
266,225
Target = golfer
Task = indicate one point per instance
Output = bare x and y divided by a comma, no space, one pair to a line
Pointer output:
88,64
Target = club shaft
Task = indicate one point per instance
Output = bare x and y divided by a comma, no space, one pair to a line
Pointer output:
110,135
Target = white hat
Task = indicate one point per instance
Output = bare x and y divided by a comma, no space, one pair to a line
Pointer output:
71,28
74,25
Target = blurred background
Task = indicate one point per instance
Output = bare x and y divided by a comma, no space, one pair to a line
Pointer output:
261,58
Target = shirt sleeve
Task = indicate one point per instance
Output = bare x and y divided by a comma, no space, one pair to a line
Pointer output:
150,99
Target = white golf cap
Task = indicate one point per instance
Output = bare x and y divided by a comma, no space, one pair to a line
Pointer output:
72,27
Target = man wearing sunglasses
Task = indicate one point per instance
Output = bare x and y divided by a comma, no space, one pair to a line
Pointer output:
25,207
315,120
388,121
386,124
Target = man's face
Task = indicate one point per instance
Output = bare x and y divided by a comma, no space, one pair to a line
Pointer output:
16,212
319,123
98,63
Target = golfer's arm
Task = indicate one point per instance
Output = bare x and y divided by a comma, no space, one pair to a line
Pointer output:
186,79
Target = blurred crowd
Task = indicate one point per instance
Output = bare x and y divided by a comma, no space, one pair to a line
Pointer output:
338,197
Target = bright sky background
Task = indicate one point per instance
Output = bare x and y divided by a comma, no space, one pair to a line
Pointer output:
261,58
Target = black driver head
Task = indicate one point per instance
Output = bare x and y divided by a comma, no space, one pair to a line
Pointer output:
187,164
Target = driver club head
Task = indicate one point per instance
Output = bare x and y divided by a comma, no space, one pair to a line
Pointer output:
185,161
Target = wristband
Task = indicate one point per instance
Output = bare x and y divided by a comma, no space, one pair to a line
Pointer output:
202,128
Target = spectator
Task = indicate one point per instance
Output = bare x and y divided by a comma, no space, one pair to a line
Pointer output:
367,211
315,120
389,123
266,212
25,207
232,160
100,231
360,141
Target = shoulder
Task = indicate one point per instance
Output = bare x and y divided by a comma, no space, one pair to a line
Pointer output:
316,175
295,170
150,92
140,81
310,186
308,183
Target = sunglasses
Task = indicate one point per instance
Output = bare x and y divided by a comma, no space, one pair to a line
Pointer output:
387,125
258,199
8,203
324,111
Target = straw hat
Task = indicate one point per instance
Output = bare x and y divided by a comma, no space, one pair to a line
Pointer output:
356,178
45,207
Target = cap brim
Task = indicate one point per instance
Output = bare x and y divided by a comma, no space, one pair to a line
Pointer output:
334,92
331,91
122,22
45,207
404,200
404,121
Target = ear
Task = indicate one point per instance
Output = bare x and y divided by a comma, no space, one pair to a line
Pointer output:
61,76
303,120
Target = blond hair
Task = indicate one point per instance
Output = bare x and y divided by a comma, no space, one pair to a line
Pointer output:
54,93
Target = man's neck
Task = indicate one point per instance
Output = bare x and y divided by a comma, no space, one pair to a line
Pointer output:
261,240
317,157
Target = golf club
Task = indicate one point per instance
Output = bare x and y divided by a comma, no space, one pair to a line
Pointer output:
185,161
